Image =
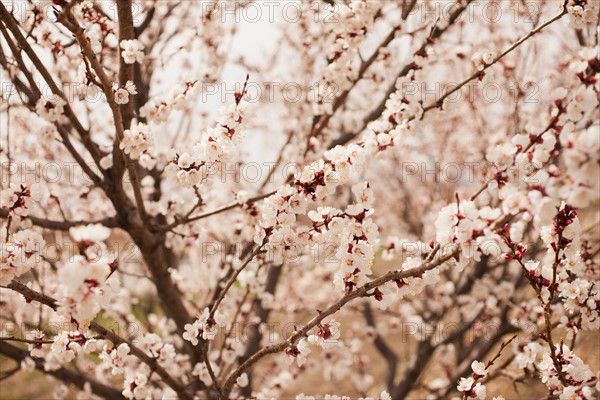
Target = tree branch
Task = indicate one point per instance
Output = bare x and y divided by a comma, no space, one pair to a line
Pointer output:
109,222
64,374
31,294
358,293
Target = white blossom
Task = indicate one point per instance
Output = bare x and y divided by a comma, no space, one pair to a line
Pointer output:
132,51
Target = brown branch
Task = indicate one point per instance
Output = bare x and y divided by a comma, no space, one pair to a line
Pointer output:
126,32
29,341
499,353
358,293
255,334
322,121
383,347
436,33
7,374
12,25
548,317
145,23
109,222
216,211
31,294
234,276
69,21
477,74
64,374
423,354
134,219
478,351
35,94
205,345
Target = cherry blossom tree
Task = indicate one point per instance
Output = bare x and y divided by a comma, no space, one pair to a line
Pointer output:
240,199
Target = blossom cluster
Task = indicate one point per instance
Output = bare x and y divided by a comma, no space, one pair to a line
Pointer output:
200,162
470,387
20,254
22,250
65,348
51,110
355,20
582,12
206,327
353,232
178,99
20,199
132,51
83,279
136,140
122,93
